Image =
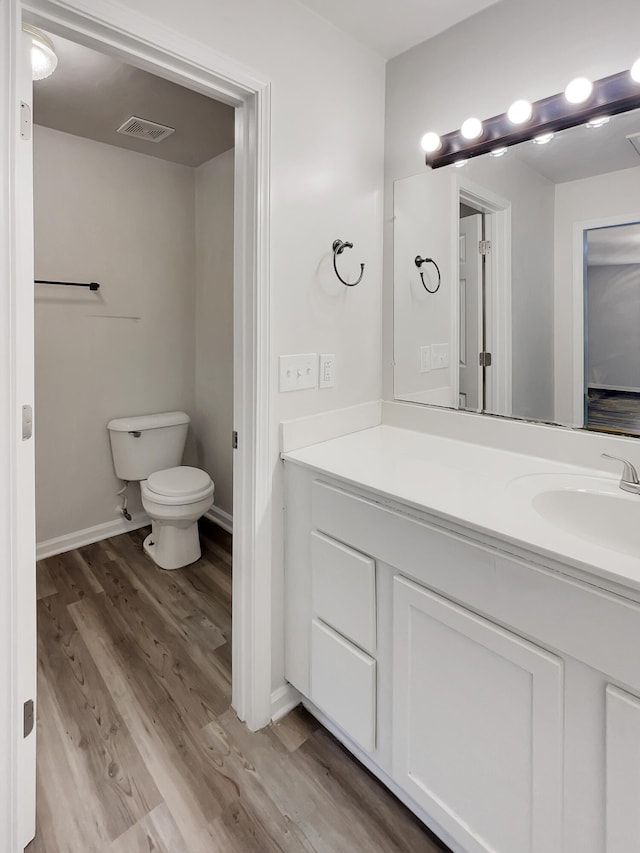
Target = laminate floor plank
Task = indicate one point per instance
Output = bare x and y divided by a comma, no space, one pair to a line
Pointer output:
104,761
138,748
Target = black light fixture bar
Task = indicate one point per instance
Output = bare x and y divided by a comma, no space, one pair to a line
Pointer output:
92,285
618,93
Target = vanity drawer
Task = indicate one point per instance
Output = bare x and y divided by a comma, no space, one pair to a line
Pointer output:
343,590
343,684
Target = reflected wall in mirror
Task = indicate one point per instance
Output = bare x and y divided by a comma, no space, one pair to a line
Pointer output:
539,254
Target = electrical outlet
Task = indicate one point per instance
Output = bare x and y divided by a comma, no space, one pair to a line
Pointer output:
298,372
439,356
327,370
425,359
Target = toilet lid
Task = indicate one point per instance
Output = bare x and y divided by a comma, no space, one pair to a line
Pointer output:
174,482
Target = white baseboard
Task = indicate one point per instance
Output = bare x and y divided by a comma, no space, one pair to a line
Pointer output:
283,700
221,518
61,544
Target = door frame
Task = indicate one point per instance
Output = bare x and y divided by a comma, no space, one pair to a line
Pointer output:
497,221
118,31
578,313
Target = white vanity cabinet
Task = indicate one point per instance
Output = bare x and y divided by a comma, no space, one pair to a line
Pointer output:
496,695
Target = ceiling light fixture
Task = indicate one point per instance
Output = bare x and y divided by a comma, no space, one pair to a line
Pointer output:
635,71
431,142
459,163
43,56
598,122
498,152
471,128
543,138
519,112
579,90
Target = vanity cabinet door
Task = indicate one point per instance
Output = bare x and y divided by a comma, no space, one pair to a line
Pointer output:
477,725
622,808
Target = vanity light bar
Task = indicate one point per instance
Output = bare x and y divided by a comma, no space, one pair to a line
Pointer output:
611,95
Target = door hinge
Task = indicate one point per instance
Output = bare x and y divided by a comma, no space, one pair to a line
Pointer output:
485,359
234,440
25,120
484,247
28,717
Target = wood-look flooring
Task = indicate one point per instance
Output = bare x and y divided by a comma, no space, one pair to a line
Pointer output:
613,411
138,748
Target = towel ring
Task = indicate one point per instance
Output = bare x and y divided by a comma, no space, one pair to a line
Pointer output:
338,248
418,262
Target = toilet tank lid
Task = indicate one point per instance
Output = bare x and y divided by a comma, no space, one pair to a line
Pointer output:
141,422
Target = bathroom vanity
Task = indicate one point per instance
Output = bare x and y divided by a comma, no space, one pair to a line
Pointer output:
459,619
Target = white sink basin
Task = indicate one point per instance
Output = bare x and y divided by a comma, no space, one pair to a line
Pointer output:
593,508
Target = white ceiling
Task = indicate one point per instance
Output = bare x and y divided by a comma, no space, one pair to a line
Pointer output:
390,27
91,95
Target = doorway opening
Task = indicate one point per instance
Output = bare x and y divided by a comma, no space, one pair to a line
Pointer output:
483,301
167,55
611,318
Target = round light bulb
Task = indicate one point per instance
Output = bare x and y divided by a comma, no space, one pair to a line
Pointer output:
598,122
459,163
579,90
635,71
471,128
498,152
519,112
43,57
431,142
543,138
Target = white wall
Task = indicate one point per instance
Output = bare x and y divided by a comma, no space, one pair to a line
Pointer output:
614,194
512,50
127,221
213,413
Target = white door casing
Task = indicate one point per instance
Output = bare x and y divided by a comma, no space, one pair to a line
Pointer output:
140,41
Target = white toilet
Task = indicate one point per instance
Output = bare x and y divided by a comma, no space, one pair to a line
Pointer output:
149,448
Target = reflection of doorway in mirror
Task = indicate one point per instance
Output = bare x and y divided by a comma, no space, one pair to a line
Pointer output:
612,324
483,310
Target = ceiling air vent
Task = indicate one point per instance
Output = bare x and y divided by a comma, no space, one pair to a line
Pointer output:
140,128
634,139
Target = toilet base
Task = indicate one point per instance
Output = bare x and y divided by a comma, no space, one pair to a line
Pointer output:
172,547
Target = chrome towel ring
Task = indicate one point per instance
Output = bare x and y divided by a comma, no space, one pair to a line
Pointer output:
338,248
419,262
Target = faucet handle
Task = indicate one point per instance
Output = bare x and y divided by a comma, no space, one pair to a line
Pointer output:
629,474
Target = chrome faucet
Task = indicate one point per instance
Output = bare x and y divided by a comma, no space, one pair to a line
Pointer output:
629,481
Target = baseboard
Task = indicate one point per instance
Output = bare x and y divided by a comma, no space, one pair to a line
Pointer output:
61,544
221,518
283,700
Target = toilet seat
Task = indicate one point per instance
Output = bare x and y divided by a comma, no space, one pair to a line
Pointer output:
180,485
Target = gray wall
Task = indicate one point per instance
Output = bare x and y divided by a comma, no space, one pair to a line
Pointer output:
129,222
613,315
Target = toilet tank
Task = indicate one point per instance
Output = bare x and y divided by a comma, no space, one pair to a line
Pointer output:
147,443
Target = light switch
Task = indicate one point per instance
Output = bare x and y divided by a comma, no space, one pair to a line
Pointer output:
327,370
425,359
298,372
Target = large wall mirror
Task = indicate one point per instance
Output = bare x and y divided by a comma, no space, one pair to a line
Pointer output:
517,280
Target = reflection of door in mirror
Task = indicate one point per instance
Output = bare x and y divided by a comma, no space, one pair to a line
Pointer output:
612,326
471,307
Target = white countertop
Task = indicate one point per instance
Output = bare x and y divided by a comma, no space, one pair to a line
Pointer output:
478,487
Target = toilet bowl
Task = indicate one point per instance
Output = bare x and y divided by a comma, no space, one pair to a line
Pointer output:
174,499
